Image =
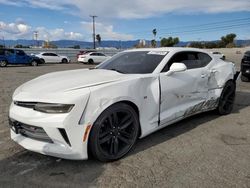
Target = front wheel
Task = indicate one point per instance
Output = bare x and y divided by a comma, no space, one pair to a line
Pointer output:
114,133
34,63
64,60
227,97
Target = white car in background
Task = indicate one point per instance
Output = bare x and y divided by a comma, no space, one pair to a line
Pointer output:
48,57
92,57
219,55
103,111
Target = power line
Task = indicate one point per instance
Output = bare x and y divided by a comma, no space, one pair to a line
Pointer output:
220,23
208,29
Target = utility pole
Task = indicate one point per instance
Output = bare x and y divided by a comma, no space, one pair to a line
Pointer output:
3,42
93,18
35,37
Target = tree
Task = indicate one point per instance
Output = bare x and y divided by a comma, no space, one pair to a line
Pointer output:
153,43
228,40
99,39
20,46
169,42
154,31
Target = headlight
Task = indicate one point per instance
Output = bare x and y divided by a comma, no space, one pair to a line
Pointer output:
53,108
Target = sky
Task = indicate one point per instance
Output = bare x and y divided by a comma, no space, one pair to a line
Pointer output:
124,20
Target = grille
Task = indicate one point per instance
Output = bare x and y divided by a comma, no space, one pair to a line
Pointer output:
36,133
247,58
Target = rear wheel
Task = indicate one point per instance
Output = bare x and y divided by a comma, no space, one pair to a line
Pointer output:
226,100
3,63
114,133
91,61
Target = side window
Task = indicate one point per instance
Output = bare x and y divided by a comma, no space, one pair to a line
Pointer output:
192,60
52,54
1,51
45,54
177,58
100,54
19,52
9,52
204,59
93,54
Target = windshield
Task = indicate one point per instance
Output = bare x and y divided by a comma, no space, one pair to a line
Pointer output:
137,62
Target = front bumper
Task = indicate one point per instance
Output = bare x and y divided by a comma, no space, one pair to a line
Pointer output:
51,128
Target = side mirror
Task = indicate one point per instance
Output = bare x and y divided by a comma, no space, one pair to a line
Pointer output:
176,67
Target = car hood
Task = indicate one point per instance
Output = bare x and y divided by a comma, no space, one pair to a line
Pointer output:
64,81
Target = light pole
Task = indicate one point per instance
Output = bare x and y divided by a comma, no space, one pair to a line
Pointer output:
35,37
93,18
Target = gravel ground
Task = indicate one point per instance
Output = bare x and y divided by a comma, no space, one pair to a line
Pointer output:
206,150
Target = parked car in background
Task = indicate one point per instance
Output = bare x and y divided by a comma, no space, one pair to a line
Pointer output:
103,111
16,56
48,57
92,57
245,67
219,55
84,52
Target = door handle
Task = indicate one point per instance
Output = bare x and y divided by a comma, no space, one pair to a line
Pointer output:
213,71
203,75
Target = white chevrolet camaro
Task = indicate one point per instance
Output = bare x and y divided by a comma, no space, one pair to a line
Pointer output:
103,111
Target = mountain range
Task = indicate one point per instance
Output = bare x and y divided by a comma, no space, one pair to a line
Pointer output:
84,44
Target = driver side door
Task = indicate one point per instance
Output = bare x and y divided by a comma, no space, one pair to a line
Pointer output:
181,91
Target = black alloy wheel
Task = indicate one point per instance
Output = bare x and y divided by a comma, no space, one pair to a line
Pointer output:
114,133
227,98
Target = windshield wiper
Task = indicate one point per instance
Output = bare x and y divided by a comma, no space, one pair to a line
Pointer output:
117,71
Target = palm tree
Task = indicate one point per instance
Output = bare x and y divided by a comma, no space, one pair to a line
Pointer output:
154,31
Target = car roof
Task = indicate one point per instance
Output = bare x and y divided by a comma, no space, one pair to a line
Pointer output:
169,49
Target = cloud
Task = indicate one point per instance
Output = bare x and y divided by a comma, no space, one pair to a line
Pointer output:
18,29
21,30
106,31
131,9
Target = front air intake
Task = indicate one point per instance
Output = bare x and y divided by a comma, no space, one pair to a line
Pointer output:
64,135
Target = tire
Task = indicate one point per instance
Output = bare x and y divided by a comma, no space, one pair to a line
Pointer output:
34,63
42,61
114,133
64,60
3,63
91,61
244,78
227,98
